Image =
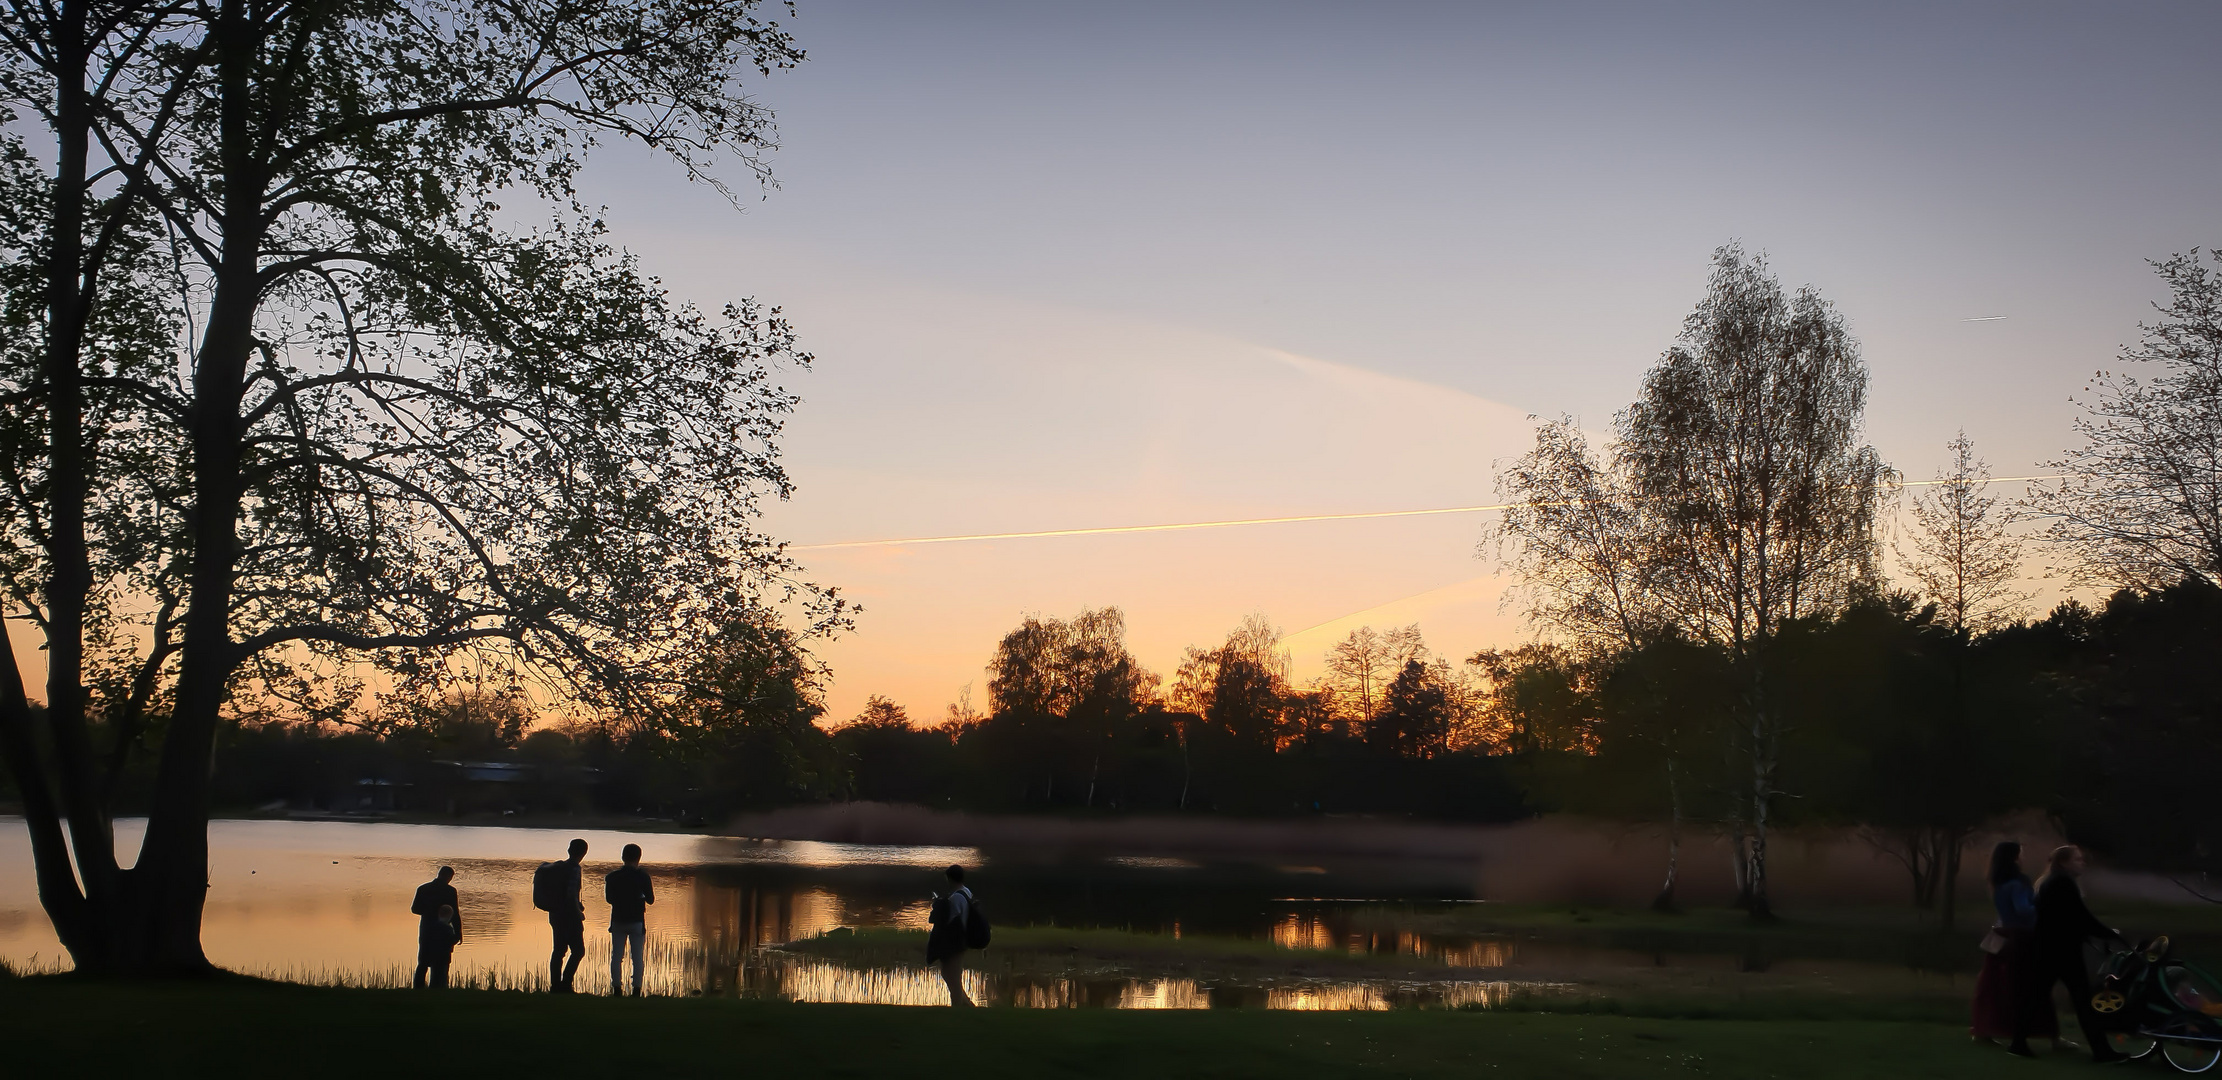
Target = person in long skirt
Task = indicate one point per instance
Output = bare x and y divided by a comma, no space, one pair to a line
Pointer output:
2010,969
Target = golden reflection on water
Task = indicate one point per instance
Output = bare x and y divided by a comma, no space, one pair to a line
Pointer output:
1486,953
1053,994
1334,997
1481,995
818,981
1311,932
1163,994
1304,932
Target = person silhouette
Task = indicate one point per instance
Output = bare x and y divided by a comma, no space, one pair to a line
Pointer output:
567,917
2063,925
629,893
945,943
436,940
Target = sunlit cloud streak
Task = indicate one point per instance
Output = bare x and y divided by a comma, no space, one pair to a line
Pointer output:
1238,522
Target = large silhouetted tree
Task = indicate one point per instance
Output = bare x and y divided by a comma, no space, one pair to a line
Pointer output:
1061,690
1241,687
1751,500
1361,666
299,392
1745,449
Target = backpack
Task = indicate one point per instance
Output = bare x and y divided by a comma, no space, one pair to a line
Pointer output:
976,929
547,887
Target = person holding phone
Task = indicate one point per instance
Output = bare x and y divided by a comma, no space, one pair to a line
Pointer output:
945,944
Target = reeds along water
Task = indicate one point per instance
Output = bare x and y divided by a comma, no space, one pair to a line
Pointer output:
792,978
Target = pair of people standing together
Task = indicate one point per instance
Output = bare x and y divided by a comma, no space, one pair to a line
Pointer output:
2037,943
555,890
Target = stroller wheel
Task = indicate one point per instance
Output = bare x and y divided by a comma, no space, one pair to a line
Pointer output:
2131,1045
2108,1001
2191,1057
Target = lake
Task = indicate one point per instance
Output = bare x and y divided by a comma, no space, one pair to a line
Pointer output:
328,902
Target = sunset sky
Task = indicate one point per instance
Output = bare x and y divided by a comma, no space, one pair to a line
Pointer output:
1068,266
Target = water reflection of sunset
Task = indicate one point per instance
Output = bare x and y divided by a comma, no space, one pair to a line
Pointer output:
1304,932
1336,997
328,902
822,982
1164,994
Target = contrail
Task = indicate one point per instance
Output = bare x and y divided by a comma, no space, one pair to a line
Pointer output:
1237,522
1986,318
1175,527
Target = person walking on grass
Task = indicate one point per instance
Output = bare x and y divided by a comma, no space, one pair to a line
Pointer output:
436,939
555,890
2063,925
945,944
629,892
2010,959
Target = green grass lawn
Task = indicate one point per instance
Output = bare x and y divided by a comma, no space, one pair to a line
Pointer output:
238,1028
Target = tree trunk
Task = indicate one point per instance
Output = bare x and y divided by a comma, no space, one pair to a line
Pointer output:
1921,864
58,892
79,883
1187,770
1949,884
1665,900
1739,864
171,877
1762,794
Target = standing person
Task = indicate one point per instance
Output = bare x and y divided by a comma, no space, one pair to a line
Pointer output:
555,890
2063,925
436,941
629,892
2002,989
436,947
946,942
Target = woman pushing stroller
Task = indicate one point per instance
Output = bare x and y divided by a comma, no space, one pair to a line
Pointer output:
2037,942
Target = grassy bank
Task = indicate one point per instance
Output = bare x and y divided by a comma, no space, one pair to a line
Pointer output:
235,1028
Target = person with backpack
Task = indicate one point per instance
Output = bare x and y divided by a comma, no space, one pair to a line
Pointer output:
958,925
629,892
555,890
436,939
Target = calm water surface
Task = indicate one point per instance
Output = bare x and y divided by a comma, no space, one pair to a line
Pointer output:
328,901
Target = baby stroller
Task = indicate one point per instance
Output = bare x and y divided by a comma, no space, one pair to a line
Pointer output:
2151,1000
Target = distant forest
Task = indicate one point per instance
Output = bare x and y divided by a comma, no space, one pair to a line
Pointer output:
1893,721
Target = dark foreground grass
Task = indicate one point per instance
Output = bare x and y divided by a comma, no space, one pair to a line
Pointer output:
239,1028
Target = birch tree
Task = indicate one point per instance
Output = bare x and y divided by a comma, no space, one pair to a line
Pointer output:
1738,499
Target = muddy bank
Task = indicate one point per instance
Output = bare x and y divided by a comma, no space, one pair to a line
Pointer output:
1545,860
